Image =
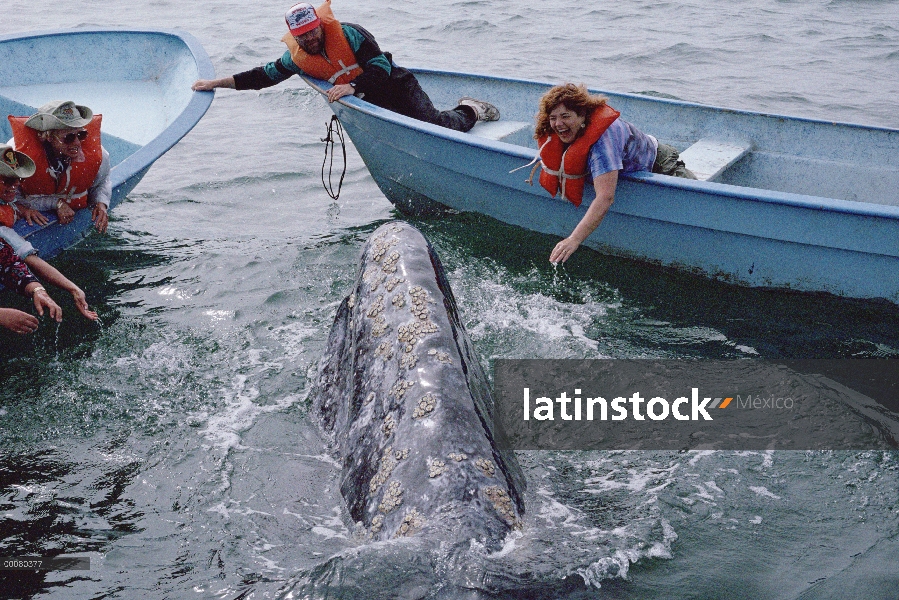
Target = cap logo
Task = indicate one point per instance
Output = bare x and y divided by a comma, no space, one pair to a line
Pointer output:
301,17
9,157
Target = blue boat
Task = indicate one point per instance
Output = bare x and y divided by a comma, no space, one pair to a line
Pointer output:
139,80
782,202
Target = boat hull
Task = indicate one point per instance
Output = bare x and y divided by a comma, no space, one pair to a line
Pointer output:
742,235
139,80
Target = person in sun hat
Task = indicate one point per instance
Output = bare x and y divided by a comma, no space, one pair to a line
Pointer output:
63,139
347,56
582,140
16,167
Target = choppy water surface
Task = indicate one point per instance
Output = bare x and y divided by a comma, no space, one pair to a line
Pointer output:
173,444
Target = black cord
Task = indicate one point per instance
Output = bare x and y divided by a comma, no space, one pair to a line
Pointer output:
334,126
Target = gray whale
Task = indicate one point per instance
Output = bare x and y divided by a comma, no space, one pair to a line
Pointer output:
404,399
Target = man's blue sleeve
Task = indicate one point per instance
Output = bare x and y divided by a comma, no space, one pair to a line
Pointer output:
281,69
365,49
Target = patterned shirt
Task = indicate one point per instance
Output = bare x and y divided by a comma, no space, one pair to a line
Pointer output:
14,273
624,148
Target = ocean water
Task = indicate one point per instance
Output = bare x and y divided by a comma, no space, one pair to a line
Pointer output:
173,443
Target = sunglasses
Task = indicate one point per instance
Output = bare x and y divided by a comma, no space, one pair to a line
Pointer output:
9,181
69,138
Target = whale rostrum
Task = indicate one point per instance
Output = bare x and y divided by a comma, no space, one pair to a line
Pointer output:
407,406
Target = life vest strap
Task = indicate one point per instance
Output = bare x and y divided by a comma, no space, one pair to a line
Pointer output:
561,174
538,162
343,69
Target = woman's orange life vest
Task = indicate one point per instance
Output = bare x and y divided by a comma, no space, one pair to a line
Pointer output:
73,185
340,65
564,169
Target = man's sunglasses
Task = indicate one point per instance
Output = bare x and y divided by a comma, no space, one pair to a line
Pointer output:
69,138
9,181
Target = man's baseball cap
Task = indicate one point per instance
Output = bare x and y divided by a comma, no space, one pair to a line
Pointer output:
301,18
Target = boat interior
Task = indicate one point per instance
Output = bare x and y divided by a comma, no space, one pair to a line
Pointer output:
139,87
750,150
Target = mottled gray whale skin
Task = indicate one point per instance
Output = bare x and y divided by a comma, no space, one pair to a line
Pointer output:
409,410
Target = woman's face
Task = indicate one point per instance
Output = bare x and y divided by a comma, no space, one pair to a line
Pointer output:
566,123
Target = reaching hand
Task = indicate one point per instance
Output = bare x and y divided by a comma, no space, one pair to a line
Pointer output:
203,85
100,217
42,300
208,85
18,321
563,250
81,304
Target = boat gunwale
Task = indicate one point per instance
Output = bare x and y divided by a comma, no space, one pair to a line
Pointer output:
802,201
196,107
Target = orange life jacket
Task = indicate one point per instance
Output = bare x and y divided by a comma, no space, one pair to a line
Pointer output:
564,169
7,215
340,65
73,185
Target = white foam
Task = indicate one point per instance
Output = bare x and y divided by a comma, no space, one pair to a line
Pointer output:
763,491
497,305
699,454
174,292
220,315
637,480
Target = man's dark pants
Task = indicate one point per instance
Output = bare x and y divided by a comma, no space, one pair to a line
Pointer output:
406,97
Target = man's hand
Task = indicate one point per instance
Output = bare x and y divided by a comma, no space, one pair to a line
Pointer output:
100,217
18,321
32,216
208,85
64,213
339,91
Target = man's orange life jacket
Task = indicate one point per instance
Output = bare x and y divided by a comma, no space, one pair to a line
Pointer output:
340,65
564,169
73,185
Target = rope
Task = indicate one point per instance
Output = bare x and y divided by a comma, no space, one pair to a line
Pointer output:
537,162
334,127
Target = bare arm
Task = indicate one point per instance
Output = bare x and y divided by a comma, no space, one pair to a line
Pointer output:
17,321
43,301
596,212
207,85
51,275
100,195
